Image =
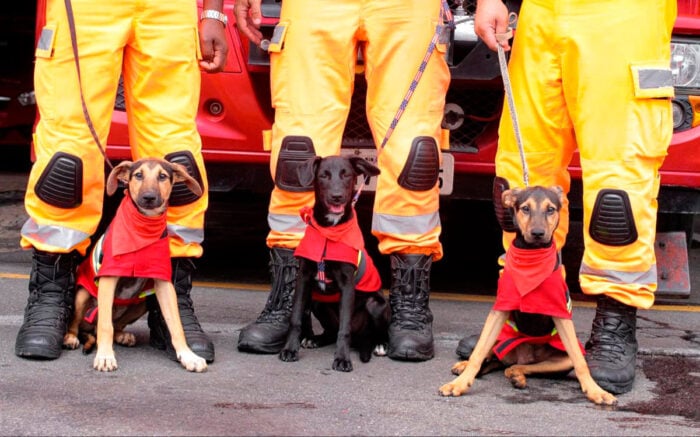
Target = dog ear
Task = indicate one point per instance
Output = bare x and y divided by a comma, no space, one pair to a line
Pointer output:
306,171
118,173
509,198
559,191
180,174
363,167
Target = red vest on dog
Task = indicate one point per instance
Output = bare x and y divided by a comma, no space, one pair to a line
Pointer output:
532,282
133,246
342,243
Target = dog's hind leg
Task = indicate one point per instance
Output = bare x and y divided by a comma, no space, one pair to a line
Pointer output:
70,339
556,364
380,315
593,391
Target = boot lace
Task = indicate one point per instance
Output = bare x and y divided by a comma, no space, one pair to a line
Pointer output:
50,298
610,334
283,270
410,295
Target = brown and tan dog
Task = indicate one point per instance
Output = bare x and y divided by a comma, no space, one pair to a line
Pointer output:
536,215
120,299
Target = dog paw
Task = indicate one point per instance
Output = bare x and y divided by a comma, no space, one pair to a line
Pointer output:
309,343
192,362
70,341
342,365
454,388
125,338
380,350
459,367
597,395
288,355
516,377
105,362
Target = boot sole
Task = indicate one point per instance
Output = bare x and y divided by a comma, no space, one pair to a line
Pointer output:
411,355
270,348
37,353
616,388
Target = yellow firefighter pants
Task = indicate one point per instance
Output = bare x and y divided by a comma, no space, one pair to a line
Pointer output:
156,43
313,72
580,76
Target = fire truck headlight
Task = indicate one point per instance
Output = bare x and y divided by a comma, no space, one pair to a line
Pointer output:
685,64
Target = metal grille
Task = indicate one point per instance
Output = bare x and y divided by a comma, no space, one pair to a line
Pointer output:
479,107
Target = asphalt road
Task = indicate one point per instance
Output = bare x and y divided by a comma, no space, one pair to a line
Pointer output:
245,394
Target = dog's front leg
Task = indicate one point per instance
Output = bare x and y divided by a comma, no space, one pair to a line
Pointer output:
344,277
302,294
105,361
167,300
492,328
593,391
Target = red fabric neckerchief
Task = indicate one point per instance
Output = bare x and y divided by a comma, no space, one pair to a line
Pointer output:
530,267
349,232
132,231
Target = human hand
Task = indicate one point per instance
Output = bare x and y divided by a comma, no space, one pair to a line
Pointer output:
248,19
212,41
492,18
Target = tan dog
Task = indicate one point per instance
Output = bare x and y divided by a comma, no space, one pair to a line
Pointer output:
536,215
150,182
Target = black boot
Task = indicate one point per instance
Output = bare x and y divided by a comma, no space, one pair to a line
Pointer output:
268,333
611,352
466,346
411,327
49,306
197,340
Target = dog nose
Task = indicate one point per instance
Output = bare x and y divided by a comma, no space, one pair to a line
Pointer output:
149,197
337,198
537,233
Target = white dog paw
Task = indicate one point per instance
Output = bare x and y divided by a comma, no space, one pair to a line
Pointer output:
380,350
105,363
192,362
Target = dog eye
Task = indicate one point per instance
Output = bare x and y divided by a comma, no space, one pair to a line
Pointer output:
138,176
525,209
163,176
551,210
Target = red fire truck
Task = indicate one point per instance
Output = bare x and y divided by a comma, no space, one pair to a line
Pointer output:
235,108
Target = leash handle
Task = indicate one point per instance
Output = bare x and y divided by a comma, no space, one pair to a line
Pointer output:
86,114
509,95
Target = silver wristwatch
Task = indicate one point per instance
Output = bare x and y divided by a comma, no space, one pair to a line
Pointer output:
214,15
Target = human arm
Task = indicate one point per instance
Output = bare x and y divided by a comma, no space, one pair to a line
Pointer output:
491,18
212,39
248,18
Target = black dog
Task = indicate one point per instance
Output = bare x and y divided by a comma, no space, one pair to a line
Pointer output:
333,266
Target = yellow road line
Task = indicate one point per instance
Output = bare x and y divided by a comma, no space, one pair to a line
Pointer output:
454,297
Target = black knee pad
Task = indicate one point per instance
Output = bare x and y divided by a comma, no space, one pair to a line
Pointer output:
294,151
612,221
61,183
422,168
181,195
503,215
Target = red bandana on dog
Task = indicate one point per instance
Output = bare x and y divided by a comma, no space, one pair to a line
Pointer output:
133,246
533,282
342,243
136,245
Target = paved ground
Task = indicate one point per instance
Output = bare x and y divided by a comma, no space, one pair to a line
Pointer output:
243,394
